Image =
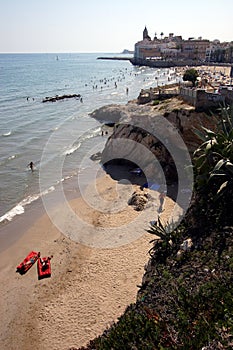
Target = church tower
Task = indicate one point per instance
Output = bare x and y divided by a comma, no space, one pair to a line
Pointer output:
145,34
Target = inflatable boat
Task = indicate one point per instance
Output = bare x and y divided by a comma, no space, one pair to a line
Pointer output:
27,263
44,267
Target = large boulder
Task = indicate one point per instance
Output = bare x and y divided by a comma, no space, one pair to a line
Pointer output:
114,113
139,200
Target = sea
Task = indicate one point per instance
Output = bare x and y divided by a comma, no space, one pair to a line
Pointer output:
51,134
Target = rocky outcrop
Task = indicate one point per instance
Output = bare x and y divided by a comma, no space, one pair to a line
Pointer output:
114,113
59,98
150,136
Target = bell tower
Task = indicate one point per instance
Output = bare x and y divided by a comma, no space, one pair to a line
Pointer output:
145,34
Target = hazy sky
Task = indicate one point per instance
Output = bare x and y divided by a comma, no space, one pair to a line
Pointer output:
107,25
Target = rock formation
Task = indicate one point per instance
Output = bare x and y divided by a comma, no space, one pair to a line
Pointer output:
139,200
59,98
152,136
114,113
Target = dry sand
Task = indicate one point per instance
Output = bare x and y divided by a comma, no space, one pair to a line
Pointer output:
89,288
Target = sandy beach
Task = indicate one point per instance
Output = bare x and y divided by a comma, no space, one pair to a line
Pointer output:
215,75
90,286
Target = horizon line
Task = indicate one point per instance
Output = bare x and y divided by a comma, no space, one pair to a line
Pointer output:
61,52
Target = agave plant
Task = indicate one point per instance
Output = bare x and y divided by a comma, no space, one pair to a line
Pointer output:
213,160
223,171
167,237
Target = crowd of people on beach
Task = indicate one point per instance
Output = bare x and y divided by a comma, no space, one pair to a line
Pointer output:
210,77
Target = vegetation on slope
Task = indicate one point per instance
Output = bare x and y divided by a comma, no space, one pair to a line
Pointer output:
185,301
191,75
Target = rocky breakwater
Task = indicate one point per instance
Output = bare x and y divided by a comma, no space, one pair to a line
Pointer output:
156,138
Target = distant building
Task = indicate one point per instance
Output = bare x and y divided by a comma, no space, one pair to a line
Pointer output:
229,53
156,48
220,52
174,47
194,49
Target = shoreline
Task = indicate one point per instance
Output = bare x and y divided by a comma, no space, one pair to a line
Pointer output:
90,287
12,230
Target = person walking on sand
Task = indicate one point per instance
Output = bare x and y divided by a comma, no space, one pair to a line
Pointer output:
31,166
161,200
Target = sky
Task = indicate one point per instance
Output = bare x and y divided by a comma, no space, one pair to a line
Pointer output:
107,25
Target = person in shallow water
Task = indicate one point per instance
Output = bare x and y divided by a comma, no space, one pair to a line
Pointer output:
31,166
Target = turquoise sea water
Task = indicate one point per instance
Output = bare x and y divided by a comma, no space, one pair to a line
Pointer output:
27,124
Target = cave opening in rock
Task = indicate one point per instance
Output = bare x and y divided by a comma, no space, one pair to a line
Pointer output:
120,169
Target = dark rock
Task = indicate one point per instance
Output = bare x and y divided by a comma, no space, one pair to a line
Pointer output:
62,97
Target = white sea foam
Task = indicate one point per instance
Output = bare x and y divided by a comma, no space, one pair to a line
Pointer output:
20,207
71,150
94,132
12,157
17,210
50,189
7,134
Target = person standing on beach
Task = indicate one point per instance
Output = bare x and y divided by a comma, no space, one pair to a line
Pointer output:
161,200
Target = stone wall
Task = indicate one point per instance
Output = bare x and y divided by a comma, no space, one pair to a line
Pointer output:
188,95
201,99
206,100
228,94
172,63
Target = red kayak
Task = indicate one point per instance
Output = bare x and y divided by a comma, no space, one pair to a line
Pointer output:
44,267
27,263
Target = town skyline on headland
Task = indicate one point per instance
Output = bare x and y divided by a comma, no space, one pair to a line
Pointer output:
176,48
32,27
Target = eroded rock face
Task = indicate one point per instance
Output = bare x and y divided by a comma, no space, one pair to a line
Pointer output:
149,135
187,120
